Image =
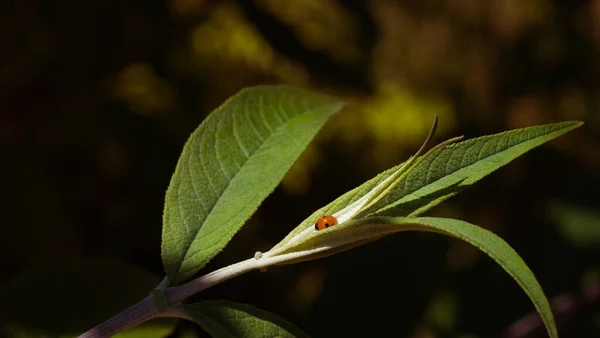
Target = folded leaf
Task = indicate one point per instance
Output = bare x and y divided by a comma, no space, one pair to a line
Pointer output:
441,173
233,320
229,165
338,204
354,233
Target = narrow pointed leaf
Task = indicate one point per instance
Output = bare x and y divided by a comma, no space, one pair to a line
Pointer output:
234,320
447,170
357,232
229,165
441,173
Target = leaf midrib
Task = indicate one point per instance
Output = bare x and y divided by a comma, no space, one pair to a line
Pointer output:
473,143
258,150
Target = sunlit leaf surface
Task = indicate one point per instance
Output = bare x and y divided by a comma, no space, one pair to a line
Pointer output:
228,319
229,165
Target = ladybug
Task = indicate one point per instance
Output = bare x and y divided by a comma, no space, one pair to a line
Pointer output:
325,222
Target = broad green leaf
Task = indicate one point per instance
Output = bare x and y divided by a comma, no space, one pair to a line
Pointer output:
441,173
357,232
229,165
67,299
232,320
447,170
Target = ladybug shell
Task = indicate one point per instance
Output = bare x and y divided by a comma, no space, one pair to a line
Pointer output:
325,222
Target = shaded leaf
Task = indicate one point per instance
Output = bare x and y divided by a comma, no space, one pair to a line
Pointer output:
66,299
357,232
441,173
160,327
229,165
228,319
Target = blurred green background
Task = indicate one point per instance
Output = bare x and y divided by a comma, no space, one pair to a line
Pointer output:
98,97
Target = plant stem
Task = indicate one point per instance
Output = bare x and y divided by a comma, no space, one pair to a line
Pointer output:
143,311
146,309
175,295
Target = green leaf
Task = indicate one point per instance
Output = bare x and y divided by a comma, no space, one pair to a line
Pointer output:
338,204
66,299
445,171
159,327
441,173
357,232
229,165
228,319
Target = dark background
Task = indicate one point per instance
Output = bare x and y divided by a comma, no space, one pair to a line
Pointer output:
98,97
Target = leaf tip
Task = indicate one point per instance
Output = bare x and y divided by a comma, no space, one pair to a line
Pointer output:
570,125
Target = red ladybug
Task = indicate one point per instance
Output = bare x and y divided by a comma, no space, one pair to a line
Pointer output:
325,222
